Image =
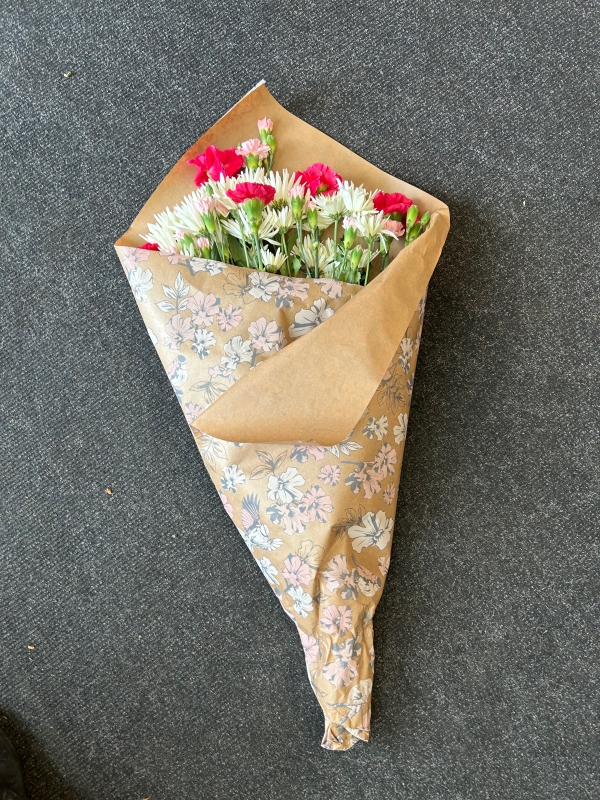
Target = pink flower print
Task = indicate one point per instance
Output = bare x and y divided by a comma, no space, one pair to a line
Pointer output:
192,411
219,371
311,648
226,504
132,256
204,308
384,564
336,619
229,317
296,572
385,460
179,330
371,482
330,475
301,452
389,494
316,504
339,576
344,669
264,335
368,583
290,516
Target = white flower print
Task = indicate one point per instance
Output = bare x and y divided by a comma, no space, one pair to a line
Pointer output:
375,531
406,345
205,265
400,429
153,336
141,282
376,428
268,570
236,351
203,341
282,488
302,600
177,372
264,286
232,477
308,318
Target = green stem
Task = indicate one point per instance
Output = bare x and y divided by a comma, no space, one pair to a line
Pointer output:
238,219
259,264
369,242
285,250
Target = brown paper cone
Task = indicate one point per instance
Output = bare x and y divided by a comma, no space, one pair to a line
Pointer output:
306,450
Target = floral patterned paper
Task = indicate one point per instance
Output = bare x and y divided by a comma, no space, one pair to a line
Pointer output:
318,520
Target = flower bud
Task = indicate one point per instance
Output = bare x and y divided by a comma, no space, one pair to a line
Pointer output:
297,207
349,237
355,257
271,141
411,216
425,220
253,208
313,218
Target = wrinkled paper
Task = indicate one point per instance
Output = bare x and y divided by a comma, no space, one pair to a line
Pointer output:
297,392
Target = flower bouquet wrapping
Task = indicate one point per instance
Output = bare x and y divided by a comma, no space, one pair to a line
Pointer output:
285,297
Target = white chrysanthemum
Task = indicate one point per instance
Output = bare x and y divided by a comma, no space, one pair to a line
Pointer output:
266,231
370,225
272,262
356,199
188,217
332,206
283,219
282,182
162,231
326,256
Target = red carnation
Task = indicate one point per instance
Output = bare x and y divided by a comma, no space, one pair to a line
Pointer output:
252,191
149,246
320,179
214,163
393,203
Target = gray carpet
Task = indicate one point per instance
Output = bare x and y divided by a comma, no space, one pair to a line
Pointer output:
155,673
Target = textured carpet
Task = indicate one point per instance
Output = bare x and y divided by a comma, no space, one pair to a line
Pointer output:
155,673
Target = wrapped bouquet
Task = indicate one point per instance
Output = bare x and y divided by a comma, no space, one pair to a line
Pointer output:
282,280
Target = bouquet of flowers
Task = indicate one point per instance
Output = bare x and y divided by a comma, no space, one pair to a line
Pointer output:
317,275
246,214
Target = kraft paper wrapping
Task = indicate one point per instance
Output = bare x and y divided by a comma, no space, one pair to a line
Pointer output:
297,392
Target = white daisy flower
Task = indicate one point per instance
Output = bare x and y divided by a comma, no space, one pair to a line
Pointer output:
282,182
357,199
268,228
331,206
272,262
370,225
326,256
162,232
